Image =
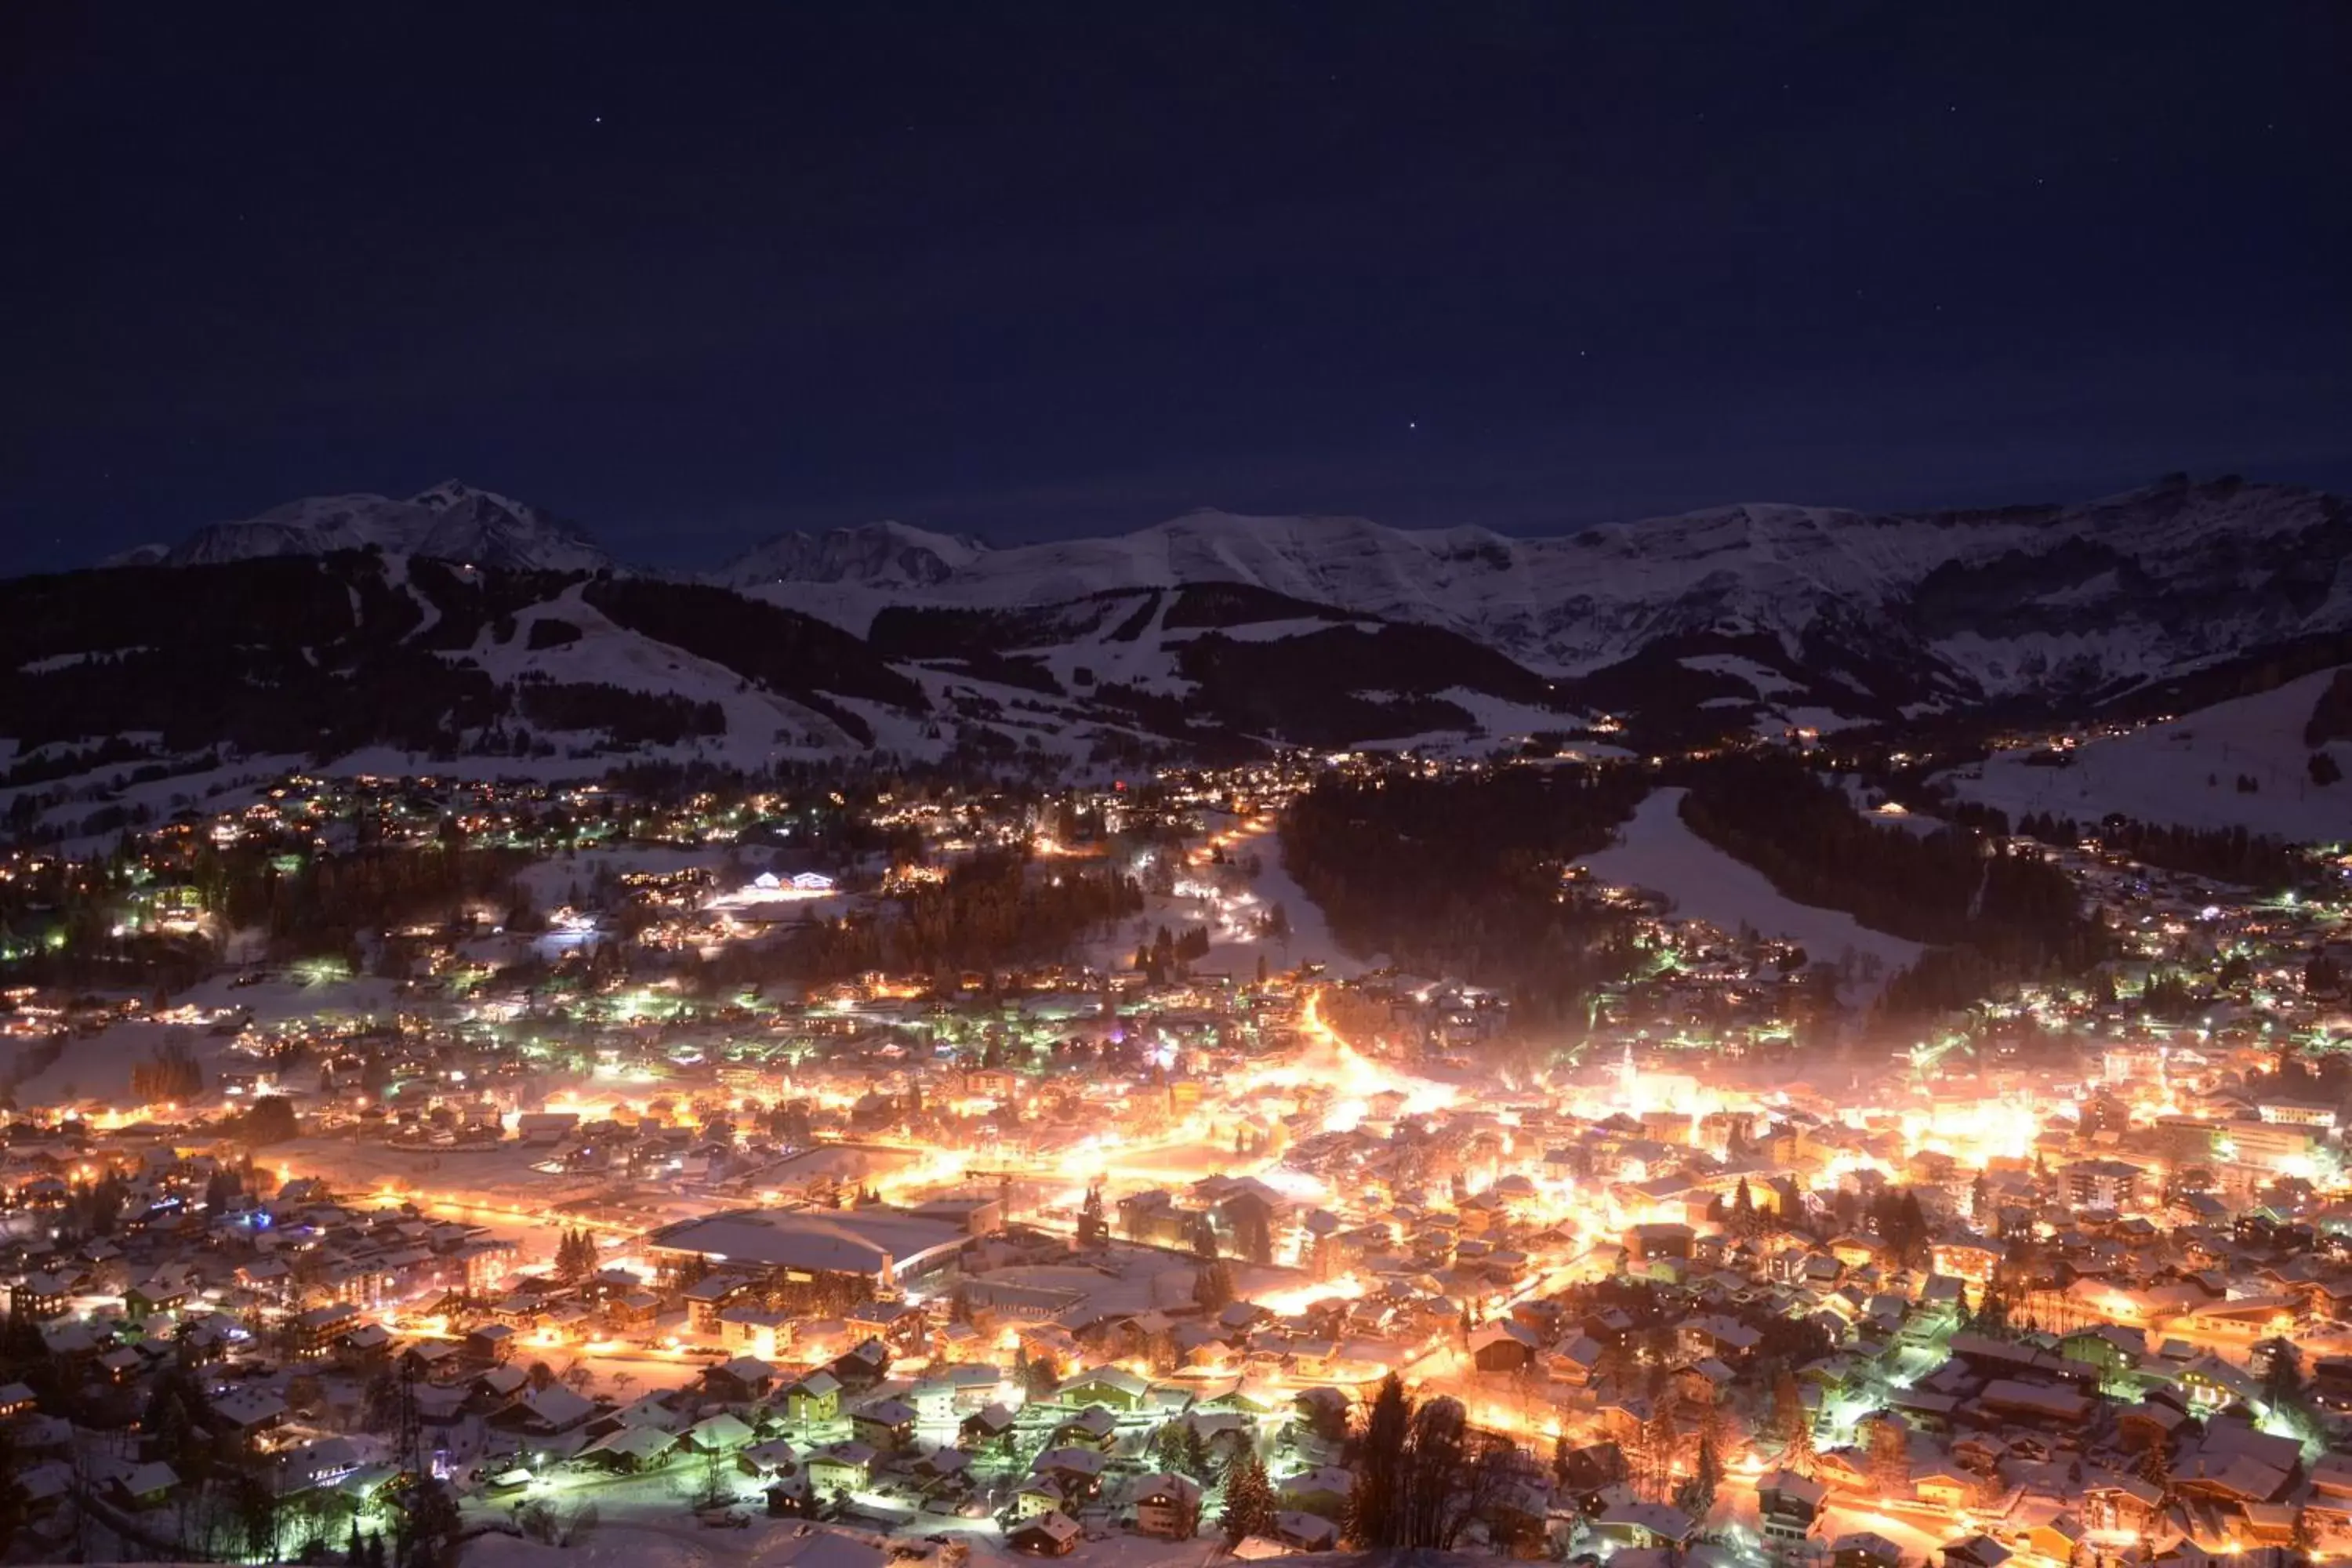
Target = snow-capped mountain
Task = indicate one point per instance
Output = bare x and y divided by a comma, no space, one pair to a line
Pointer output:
874,555
451,521
1769,615
1208,635
2086,597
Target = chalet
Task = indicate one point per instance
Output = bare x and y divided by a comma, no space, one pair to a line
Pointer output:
1078,1471
626,1450
363,1349
722,1433
987,1425
1865,1549
1305,1531
886,1426
438,1362
494,1389
1112,1387
1790,1507
1166,1505
546,1412
742,1381
816,1397
1041,1494
1648,1243
707,1297
1976,1552
39,1296
1645,1524
312,1332
944,1470
768,1460
321,1462
1049,1534
2110,1347
1501,1347
248,1411
158,1294
1948,1485
2126,1505
147,1486
1093,1427
840,1467
488,1345
862,1365
2057,1540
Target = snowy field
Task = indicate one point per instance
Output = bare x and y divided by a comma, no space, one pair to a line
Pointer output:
2186,771
1656,853
98,1067
1235,946
662,1534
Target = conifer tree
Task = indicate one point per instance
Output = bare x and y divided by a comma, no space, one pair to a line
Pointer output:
1249,1501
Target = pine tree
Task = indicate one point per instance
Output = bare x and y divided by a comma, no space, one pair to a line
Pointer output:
1092,1228
1914,1224
1044,1377
1376,1502
1992,1311
1213,1287
2283,1377
1890,1456
1696,1496
1249,1501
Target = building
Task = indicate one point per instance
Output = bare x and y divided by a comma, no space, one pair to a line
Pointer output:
883,1246
1048,1534
2101,1184
1791,1508
1865,1549
1166,1505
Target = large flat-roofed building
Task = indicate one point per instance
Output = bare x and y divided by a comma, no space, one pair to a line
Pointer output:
885,1246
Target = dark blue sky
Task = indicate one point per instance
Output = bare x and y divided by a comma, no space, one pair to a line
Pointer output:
692,274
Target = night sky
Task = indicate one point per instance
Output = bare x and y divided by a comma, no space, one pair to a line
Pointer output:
692,274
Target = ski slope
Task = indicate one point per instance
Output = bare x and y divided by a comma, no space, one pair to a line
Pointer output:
2186,771
1657,854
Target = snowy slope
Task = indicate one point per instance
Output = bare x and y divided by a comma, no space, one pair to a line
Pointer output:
1917,612
761,724
1576,602
1656,853
1752,618
2079,598
2186,771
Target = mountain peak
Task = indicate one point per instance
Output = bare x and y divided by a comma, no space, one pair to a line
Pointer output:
452,522
884,554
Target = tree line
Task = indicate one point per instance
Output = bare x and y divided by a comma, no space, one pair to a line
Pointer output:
2223,854
1461,875
1995,913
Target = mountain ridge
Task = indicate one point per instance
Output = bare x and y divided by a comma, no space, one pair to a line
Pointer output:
448,522
1815,615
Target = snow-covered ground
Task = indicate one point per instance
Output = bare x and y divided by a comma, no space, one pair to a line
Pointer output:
660,1532
1231,913
1310,940
2186,771
1656,853
98,1067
